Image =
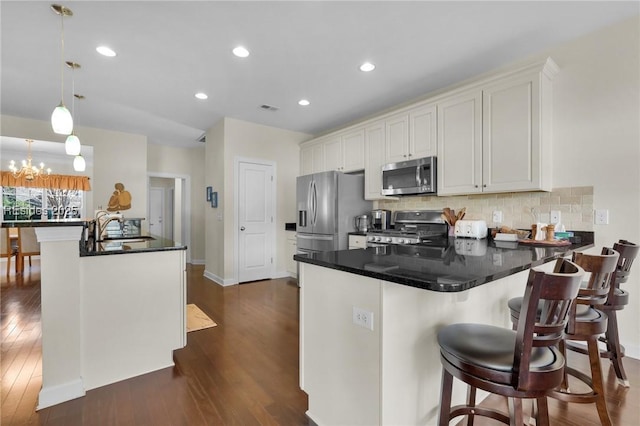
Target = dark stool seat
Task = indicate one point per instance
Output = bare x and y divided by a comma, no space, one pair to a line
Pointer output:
586,323
517,364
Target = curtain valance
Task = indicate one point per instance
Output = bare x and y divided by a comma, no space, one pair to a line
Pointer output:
52,182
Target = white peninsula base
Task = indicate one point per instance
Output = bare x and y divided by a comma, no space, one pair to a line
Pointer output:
389,375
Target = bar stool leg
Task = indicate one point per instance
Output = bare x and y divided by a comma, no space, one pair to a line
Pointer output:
445,398
614,349
597,382
471,402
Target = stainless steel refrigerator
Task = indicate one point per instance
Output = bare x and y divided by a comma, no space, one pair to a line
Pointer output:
327,205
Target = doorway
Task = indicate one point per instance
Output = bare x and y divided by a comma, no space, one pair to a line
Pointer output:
255,219
175,209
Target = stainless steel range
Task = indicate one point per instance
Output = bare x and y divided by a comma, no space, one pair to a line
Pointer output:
412,227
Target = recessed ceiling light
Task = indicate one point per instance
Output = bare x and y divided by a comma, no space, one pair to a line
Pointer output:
201,95
105,51
367,66
303,102
241,52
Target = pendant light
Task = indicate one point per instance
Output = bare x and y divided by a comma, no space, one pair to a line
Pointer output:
79,165
72,144
61,120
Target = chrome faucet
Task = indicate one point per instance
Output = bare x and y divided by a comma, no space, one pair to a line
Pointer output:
102,222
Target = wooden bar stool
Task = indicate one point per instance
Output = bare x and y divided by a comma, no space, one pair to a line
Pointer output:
524,363
617,300
585,324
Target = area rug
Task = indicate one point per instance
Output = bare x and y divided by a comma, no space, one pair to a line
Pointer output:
197,320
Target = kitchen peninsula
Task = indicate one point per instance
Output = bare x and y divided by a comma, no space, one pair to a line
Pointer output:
387,370
110,311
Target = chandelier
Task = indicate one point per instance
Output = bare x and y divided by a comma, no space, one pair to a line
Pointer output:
28,171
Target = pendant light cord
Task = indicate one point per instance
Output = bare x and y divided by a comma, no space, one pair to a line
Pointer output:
62,57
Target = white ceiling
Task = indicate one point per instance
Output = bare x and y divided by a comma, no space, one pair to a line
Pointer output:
168,51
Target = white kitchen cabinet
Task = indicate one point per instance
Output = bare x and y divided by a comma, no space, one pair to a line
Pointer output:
411,135
357,242
497,137
374,158
397,135
292,249
345,153
460,144
311,158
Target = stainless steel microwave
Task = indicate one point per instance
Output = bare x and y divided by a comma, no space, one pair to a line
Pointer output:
410,177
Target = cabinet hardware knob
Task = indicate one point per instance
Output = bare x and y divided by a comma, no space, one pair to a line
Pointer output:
484,186
242,228
476,186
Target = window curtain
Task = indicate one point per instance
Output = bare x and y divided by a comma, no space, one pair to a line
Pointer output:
52,182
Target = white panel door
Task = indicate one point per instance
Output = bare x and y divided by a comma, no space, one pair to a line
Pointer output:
353,151
397,134
255,222
422,132
374,159
333,154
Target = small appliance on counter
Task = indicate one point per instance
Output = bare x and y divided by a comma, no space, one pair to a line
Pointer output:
470,229
362,223
380,219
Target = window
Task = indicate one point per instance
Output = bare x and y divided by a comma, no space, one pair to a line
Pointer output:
20,203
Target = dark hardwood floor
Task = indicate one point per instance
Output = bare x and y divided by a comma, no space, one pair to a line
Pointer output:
242,372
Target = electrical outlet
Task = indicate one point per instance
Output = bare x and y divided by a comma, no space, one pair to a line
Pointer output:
601,217
497,216
363,318
554,217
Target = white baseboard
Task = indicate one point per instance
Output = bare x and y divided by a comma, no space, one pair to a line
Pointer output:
219,280
52,395
197,261
283,274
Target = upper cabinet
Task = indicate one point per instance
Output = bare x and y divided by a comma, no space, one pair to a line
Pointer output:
374,159
490,135
497,137
411,135
311,158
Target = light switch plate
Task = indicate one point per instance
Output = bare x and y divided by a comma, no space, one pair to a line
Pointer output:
554,217
497,216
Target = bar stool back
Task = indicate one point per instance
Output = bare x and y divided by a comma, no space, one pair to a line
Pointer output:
524,363
617,300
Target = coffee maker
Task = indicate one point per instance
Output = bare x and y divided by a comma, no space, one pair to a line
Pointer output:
380,219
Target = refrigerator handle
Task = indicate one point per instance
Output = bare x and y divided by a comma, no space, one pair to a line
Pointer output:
314,211
310,202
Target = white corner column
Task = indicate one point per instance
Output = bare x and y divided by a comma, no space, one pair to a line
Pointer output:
61,314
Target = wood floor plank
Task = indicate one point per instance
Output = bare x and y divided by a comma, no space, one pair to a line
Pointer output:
242,372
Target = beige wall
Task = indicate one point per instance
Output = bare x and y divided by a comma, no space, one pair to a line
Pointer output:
118,157
226,142
190,162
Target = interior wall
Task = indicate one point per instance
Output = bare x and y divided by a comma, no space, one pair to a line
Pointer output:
118,157
226,141
185,161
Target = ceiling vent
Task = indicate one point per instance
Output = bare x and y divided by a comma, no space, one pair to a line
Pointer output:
269,107
203,138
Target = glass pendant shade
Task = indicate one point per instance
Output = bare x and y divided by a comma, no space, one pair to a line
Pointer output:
79,165
61,120
72,145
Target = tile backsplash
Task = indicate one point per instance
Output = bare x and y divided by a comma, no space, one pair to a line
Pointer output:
519,209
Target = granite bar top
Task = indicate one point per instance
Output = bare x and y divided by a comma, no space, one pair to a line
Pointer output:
90,248
460,265
133,245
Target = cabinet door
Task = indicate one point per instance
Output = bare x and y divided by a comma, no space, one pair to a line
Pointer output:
374,159
397,133
306,160
333,154
353,151
422,132
317,154
511,135
292,265
460,144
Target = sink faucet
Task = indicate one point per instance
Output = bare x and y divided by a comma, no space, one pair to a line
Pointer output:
103,218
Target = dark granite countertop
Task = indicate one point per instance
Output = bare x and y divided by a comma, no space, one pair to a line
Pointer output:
461,265
134,245
44,223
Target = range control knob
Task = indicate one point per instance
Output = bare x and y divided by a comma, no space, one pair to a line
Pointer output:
370,238
378,239
388,239
400,241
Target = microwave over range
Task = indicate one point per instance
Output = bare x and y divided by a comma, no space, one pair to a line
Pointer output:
410,177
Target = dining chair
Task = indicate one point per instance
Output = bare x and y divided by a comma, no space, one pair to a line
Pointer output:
6,248
28,246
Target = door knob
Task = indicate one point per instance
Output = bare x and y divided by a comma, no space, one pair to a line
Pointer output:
242,228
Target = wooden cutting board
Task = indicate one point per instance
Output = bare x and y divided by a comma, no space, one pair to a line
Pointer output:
554,243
